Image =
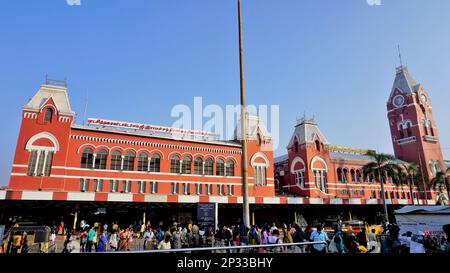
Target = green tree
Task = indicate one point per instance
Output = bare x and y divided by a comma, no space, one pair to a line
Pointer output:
409,174
381,167
440,181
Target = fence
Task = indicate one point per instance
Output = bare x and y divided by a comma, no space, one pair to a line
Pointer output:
268,248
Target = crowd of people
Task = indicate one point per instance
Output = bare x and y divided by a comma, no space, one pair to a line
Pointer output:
101,237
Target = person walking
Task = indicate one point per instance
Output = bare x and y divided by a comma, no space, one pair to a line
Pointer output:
102,241
274,240
83,241
165,244
90,239
113,241
176,237
148,239
319,236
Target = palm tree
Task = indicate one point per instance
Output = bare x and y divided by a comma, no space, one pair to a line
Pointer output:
409,173
381,166
440,181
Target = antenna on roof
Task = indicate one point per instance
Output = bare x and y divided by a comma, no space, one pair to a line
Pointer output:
85,106
400,56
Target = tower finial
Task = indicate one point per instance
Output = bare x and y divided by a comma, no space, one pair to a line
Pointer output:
400,56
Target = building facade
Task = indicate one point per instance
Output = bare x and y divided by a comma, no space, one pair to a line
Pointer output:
314,168
56,159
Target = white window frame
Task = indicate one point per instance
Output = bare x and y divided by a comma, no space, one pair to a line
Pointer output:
85,185
98,185
114,186
300,178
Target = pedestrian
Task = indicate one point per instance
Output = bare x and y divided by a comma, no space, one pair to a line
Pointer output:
176,238
319,235
362,238
274,240
102,241
90,239
113,241
83,240
372,244
52,242
165,244
299,237
148,239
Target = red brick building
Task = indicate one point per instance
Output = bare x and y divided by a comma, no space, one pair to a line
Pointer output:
314,168
56,159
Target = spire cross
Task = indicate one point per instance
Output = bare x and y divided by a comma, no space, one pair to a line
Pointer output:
400,56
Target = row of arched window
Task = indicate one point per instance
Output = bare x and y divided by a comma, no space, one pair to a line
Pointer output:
145,163
345,176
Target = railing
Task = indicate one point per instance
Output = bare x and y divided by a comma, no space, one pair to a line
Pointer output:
279,248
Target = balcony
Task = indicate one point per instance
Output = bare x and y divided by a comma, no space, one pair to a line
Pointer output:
406,140
431,139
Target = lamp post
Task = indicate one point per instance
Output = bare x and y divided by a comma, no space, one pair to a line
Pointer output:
246,206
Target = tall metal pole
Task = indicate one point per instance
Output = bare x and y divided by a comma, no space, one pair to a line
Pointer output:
244,162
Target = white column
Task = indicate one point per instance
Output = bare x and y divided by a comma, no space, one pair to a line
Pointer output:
45,162
148,165
93,161
37,162
203,167
121,162
181,166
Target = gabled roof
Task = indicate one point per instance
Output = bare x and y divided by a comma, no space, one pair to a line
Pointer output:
46,92
404,81
280,159
307,131
254,126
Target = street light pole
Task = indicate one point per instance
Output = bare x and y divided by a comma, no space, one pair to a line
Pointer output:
244,162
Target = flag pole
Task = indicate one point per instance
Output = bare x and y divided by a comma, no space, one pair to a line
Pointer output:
244,162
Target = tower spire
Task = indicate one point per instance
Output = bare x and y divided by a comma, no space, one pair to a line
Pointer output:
400,56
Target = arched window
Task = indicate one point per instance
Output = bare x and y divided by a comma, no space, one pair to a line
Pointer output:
358,176
128,161
230,168
87,158
186,166
175,164
100,159
353,175
40,163
296,146
345,176
409,129
317,145
220,167
339,175
425,128
209,166
143,162
400,130
155,163
431,128
116,161
198,166
48,115
260,175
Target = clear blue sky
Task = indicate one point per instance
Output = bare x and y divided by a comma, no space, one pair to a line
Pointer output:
332,59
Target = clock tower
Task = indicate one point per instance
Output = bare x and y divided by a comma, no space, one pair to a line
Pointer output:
413,128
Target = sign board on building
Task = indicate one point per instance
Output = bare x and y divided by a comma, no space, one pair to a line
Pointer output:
206,214
153,129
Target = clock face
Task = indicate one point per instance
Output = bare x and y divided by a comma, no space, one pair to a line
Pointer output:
423,98
398,101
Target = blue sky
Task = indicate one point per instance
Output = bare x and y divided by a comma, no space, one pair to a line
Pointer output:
137,59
